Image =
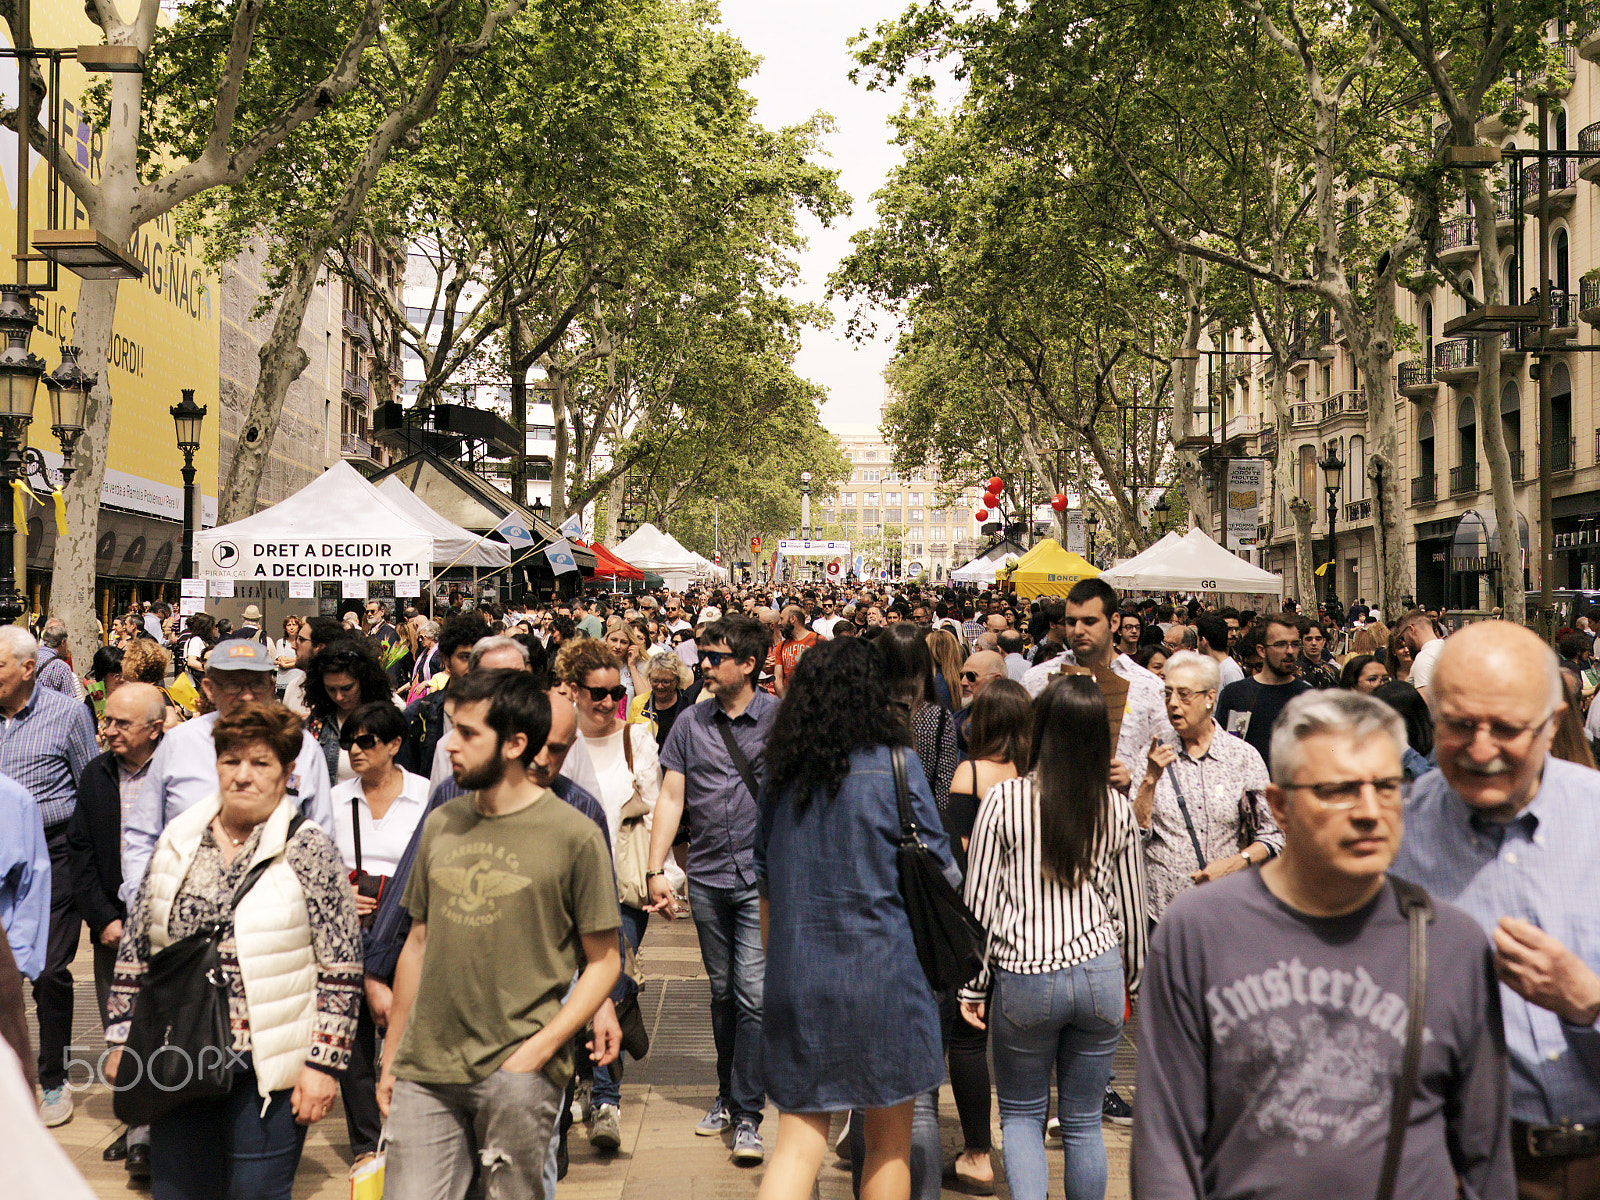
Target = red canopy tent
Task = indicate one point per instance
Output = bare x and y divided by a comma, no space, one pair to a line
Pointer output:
608,566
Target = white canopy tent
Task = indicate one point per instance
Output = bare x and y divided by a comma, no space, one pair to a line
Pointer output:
982,570
1191,563
651,550
707,567
451,543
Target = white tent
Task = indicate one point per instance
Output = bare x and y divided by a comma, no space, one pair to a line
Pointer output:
1191,563
982,569
451,543
651,550
707,567
337,527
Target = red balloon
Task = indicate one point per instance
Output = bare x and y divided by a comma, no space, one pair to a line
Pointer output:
982,514
1059,502
996,483
992,500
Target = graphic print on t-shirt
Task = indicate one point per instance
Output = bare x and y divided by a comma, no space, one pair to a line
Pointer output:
1317,1049
474,886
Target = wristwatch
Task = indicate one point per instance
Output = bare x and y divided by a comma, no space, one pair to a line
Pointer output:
1245,854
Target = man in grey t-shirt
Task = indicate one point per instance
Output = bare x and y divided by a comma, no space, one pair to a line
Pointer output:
1275,1001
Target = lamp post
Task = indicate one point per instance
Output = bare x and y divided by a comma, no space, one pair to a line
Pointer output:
1332,467
1161,510
187,417
1091,523
805,504
20,372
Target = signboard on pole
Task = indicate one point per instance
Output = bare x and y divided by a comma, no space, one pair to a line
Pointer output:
1075,539
1246,478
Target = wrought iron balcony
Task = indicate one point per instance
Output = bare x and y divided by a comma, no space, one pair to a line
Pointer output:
1562,180
355,446
1589,141
1306,413
1564,454
1457,240
1416,378
1358,510
1463,479
1455,358
1352,401
357,385
1424,488
1589,300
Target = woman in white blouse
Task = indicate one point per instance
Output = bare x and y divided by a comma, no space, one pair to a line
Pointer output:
1055,873
374,816
629,772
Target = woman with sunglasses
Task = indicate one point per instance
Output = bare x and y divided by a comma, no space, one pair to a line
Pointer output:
343,676
629,773
374,816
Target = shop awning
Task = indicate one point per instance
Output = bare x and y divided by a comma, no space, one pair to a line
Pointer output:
1475,545
608,566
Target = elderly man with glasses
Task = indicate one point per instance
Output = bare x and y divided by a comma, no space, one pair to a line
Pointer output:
1512,834
1277,999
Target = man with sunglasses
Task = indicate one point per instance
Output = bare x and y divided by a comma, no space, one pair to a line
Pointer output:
1512,834
712,765
1277,997
675,615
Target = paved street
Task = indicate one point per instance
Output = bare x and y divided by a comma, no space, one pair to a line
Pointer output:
663,1097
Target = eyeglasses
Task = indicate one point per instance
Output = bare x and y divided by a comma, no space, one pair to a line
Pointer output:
970,676
365,741
1185,695
1502,733
714,658
1343,794
599,694
1284,645
248,683
115,724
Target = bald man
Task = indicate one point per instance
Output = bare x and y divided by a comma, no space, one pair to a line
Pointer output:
797,639
1511,833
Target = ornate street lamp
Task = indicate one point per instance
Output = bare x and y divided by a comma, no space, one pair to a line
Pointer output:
69,386
1161,510
187,417
1091,522
1332,470
20,372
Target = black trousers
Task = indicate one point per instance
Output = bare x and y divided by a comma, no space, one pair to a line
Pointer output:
363,1122
52,991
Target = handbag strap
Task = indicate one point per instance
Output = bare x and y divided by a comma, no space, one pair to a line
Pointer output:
1188,822
355,828
1418,910
725,728
902,795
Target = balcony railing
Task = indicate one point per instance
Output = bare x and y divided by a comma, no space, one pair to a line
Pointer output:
1454,355
356,325
1589,299
1463,479
1416,374
1562,175
1424,488
1358,510
1352,401
1516,465
1307,413
1456,234
1564,454
1588,145
357,385
355,446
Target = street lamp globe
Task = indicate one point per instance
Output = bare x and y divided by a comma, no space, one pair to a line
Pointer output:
187,417
69,385
1332,468
20,370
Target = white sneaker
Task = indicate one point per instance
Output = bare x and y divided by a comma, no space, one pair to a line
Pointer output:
605,1131
582,1109
56,1107
1052,1128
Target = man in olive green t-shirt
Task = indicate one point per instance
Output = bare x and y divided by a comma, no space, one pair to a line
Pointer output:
510,886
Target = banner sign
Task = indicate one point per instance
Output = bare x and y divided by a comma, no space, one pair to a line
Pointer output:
1246,479
395,558
1075,539
354,589
301,589
810,548
411,586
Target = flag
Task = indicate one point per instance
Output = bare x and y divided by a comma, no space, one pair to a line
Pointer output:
515,530
1323,569
572,527
560,556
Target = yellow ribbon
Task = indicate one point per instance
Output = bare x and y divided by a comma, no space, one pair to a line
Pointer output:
61,512
19,506
19,509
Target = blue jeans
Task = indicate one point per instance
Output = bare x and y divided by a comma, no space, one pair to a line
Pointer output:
226,1148
607,1088
728,921
1065,1021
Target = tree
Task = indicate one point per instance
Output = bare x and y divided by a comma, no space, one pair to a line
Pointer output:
136,186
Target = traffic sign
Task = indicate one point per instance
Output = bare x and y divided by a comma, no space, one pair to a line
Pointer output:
755,542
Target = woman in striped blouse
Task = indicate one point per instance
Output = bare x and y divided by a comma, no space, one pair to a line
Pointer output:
1056,875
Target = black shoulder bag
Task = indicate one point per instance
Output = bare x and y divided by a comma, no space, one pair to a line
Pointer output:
1418,910
740,762
948,937
179,1038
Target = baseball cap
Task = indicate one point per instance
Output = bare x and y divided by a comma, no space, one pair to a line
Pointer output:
709,614
240,654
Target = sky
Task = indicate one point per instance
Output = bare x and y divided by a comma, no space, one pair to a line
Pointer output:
804,70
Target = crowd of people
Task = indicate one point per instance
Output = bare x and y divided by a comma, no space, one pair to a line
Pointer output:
430,848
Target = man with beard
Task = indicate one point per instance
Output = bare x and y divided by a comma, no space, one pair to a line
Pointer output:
711,765
510,882
797,639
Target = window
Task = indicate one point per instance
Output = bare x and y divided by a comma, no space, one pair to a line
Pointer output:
1308,475
1356,469
914,549
1563,455
1558,266
916,515
936,533
1511,423
891,497
870,498
1467,433
1425,462
870,516
847,515
872,456
892,516
871,477
849,498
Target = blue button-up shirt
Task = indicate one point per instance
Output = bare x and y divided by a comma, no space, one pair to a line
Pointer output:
24,878
722,813
183,772
1540,867
45,748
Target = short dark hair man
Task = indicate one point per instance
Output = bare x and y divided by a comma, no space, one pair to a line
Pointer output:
508,882
1277,999
1249,707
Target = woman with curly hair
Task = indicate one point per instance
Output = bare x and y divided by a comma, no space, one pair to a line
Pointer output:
343,676
849,1019
147,661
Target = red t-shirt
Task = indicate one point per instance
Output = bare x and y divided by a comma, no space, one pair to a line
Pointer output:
789,653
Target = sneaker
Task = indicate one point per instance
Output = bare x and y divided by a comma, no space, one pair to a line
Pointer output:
1052,1127
56,1107
1115,1109
581,1107
747,1147
717,1119
605,1131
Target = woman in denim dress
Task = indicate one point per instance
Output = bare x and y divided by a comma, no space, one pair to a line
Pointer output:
849,1019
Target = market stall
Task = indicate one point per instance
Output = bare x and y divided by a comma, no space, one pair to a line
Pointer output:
1048,570
649,549
1191,563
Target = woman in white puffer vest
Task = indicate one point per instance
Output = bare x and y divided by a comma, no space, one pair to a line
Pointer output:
292,962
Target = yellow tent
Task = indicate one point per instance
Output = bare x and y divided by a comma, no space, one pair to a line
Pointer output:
1048,570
